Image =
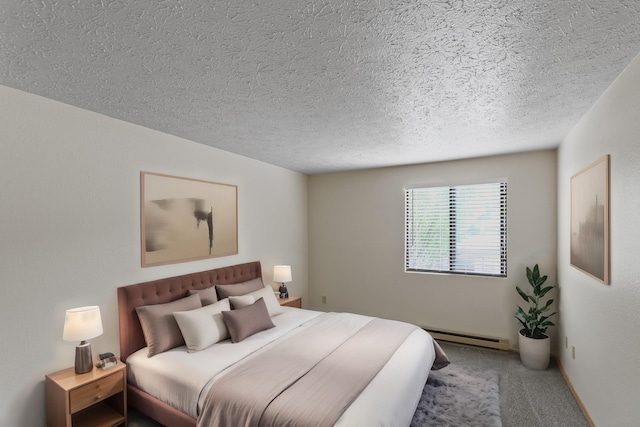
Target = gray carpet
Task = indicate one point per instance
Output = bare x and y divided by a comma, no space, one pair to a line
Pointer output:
528,398
459,396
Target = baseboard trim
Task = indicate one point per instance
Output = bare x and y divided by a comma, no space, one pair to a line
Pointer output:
575,394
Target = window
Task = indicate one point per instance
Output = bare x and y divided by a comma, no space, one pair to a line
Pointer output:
457,229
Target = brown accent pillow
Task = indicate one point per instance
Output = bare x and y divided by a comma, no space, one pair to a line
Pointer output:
160,329
246,321
208,296
226,291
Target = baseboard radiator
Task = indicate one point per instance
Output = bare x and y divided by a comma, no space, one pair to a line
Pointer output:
469,339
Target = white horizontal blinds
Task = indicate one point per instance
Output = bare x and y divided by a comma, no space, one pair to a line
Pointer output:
457,229
428,229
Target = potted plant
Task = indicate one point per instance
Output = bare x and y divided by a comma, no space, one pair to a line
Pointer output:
535,345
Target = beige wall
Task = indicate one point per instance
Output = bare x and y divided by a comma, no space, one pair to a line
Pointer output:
356,244
602,321
70,233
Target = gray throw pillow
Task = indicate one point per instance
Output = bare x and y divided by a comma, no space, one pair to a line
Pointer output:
160,329
243,288
208,296
246,321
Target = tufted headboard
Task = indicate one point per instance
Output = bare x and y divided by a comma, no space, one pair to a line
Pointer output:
172,288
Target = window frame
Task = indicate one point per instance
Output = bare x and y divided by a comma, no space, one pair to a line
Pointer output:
502,184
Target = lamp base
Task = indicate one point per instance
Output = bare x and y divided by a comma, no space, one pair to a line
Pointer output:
84,362
284,293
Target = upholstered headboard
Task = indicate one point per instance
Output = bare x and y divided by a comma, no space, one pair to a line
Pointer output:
172,288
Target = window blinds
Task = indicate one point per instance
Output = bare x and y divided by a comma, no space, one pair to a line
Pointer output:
457,229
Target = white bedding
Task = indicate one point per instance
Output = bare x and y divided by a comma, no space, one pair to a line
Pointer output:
181,379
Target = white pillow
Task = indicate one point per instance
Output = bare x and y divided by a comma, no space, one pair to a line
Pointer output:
266,293
204,326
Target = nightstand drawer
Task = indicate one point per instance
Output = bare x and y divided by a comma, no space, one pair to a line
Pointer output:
87,395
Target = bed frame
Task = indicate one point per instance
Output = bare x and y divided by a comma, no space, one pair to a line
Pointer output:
159,292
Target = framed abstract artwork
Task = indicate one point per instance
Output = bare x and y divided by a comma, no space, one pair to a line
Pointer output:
590,220
183,219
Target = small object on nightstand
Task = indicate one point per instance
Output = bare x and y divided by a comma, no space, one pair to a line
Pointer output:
106,355
107,363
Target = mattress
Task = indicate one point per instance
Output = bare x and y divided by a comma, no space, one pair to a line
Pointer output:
182,379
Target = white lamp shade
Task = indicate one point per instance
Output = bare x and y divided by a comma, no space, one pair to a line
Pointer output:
82,323
282,273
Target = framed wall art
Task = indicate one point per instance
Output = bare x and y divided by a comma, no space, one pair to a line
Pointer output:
183,219
590,220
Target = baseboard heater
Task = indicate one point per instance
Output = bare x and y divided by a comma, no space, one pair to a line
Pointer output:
469,339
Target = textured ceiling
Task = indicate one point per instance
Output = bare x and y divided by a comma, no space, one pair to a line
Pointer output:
319,86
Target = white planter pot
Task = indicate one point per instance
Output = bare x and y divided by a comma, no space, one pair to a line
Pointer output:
534,353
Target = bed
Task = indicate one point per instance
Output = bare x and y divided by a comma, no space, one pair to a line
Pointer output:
177,385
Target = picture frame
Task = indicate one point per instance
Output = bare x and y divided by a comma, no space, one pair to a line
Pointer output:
185,219
589,244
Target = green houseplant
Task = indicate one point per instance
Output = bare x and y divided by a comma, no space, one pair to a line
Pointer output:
535,321
535,346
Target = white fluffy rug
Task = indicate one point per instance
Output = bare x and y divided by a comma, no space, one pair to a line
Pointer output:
457,396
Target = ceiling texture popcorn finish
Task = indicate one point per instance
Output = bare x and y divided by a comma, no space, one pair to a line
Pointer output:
322,86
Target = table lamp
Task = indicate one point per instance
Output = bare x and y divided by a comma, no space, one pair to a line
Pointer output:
82,324
282,274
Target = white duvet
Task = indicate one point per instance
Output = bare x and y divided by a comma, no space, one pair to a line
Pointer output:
182,379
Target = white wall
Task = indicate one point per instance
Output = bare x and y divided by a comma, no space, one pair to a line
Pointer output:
602,321
356,244
70,229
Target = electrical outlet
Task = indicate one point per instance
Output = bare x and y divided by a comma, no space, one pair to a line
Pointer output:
573,352
324,299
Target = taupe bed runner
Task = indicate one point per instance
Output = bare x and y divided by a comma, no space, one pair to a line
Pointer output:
307,380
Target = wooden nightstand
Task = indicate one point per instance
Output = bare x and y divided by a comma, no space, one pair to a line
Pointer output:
291,302
97,398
